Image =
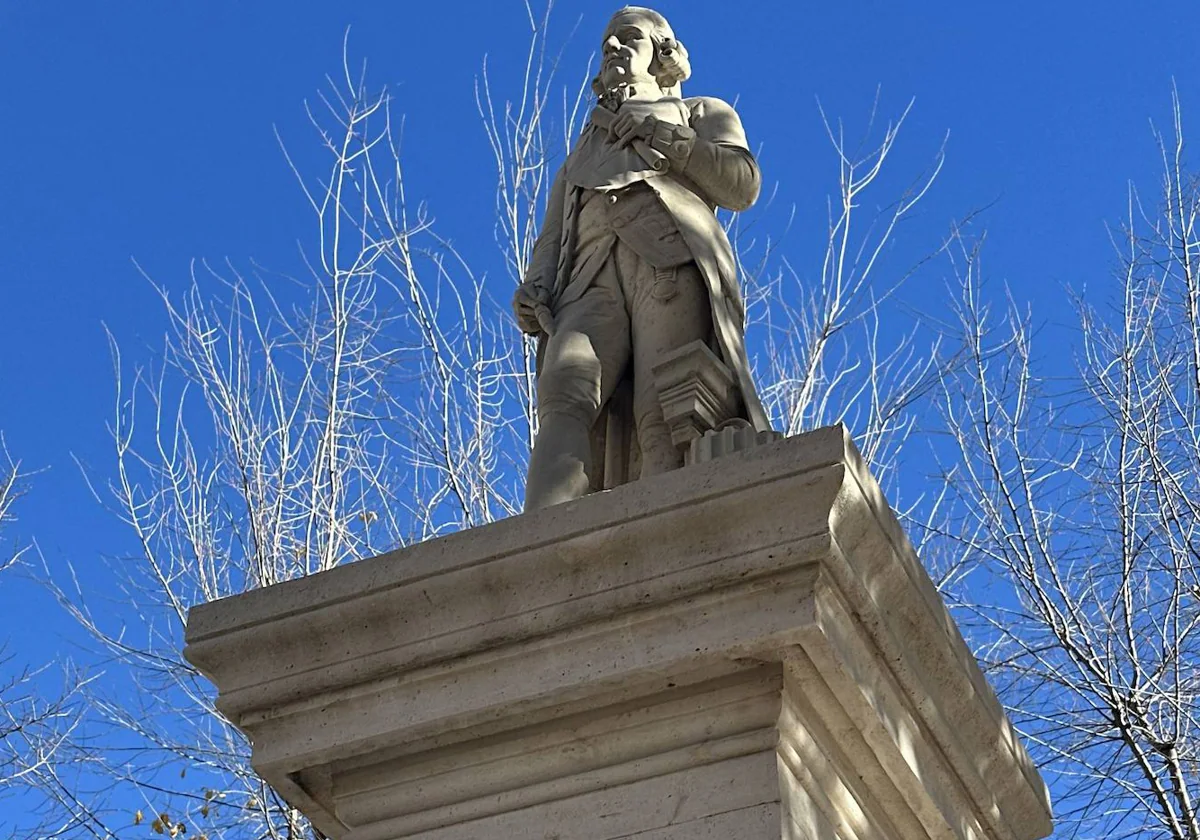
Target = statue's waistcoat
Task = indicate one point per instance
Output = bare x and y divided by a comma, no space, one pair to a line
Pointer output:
609,198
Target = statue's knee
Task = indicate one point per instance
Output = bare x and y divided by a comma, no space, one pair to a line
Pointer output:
569,391
577,412
569,382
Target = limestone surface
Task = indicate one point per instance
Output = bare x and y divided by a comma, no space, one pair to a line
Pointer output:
742,648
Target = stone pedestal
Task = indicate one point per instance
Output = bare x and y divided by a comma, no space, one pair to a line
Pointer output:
742,649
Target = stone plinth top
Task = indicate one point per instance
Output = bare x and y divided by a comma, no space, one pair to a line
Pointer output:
734,649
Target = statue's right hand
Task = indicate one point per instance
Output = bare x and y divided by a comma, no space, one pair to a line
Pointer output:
529,297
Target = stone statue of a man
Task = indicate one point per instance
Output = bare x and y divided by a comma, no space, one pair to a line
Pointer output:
631,264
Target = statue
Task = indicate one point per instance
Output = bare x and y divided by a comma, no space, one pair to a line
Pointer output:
631,266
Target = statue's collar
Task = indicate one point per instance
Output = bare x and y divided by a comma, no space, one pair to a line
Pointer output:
614,97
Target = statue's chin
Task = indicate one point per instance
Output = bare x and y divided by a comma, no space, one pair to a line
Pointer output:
611,77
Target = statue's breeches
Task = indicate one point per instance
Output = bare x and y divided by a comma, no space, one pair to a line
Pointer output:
630,314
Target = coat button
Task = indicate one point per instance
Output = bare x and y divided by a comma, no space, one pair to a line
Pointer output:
612,198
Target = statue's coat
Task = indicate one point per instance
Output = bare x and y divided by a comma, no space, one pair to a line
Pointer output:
593,164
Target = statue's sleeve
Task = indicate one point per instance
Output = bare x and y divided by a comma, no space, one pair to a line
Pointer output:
718,160
543,263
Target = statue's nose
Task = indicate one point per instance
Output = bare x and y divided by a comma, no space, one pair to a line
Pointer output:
612,44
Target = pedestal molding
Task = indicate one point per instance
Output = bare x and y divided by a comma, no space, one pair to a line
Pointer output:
618,644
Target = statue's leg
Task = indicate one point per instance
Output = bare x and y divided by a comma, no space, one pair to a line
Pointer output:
667,313
581,365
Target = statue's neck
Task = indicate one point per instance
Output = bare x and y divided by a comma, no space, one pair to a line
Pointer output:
636,88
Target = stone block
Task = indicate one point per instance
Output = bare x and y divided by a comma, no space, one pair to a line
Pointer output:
744,648
732,436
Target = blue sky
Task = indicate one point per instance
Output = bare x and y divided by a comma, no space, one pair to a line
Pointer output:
144,130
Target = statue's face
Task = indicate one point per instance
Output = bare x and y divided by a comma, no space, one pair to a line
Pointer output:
627,51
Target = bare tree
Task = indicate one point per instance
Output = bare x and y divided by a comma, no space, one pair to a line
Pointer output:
827,360
291,424
38,716
1077,507
12,487
16,717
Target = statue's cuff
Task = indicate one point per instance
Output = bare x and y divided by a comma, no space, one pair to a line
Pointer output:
674,141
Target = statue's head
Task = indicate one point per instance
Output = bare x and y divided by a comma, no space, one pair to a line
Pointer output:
638,44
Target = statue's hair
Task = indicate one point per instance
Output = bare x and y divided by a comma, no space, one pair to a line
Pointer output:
670,66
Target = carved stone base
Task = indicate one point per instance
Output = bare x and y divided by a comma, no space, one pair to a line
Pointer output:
746,648
697,392
735,436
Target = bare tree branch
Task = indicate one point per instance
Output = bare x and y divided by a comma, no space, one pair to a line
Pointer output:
1076,505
